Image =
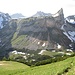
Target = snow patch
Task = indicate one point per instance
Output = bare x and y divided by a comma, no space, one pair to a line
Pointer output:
53,51
68,54
33,60
38,43
70,45
58,46
24,57
55,15
69,50
61,52
72,34
15,52
68,36
62,27
28,54
42,51
43,44
71,20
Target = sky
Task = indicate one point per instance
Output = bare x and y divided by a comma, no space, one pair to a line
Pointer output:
30,7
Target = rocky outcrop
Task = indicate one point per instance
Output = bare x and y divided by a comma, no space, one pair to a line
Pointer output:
41,33
41,14
70,19
35,33
69,28
4,18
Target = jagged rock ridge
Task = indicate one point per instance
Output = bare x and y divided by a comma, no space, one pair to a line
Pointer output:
69,28
41,33
35,33
41,14
4,18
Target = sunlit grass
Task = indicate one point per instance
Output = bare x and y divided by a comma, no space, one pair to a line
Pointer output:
18,39
15,68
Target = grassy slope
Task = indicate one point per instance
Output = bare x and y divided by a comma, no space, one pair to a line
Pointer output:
15,68
11,68
50,53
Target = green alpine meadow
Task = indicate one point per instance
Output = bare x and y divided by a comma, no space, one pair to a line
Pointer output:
65,67
37,37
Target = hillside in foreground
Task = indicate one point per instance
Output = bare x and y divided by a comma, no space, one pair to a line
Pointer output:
65,67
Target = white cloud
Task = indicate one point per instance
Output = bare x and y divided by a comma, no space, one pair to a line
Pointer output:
30,7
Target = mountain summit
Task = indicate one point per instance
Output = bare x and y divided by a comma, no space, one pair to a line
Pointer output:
17,16
35,33
41,14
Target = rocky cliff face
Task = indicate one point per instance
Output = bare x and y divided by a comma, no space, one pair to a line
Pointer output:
4,18
35,33
69,29
41,33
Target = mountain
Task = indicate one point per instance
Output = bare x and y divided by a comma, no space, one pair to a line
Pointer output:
70,19
41,14
46,33
4,18
35,33
69,28
17,16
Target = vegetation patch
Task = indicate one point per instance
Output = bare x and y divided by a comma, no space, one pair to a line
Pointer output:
59,68
18,40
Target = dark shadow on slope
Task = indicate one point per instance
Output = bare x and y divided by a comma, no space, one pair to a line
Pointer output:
6,35
44,29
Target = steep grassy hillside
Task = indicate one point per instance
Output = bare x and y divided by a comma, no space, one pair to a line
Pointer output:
66,67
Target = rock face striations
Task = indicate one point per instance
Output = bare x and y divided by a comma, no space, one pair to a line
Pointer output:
35,33
4,18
